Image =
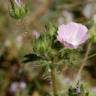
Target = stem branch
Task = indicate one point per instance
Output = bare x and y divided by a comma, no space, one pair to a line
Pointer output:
84,60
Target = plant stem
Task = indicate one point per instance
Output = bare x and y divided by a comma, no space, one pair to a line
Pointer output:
84,60
53,75
54,83
91,56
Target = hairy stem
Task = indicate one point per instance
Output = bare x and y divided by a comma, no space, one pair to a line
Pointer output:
54,83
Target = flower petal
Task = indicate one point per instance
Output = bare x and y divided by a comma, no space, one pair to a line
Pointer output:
72,34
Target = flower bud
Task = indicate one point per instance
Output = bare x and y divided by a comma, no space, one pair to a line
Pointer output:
51,29
18,10
40,46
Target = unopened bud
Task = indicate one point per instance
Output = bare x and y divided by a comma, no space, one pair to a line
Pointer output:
18,10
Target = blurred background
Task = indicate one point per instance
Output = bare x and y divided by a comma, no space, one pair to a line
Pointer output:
16,41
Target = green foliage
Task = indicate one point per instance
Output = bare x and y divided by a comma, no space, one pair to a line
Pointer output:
71,57
43,45
92,34
51,29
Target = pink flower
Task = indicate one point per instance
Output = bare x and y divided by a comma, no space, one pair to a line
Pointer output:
72,34
18,2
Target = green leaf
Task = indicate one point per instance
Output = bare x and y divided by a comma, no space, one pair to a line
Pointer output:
32,57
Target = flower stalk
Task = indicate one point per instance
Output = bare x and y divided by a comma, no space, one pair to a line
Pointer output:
53,76
54,83
84,60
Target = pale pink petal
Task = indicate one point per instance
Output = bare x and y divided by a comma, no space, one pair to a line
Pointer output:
82,34
72,34
71,29
67,45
